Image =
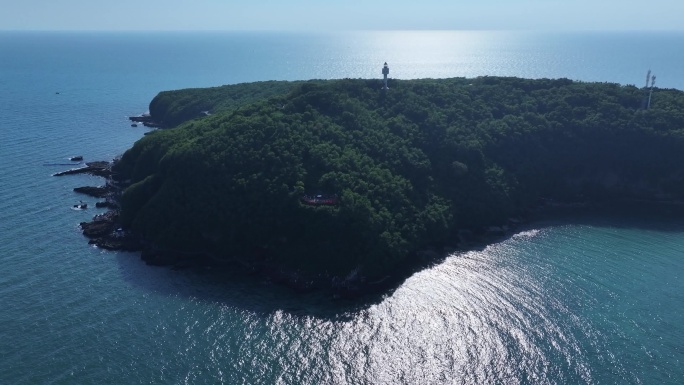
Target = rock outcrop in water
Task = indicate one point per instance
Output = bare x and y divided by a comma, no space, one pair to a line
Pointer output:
99,168
97,192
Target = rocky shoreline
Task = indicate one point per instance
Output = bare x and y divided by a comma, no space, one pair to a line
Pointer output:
146,120
98,168
105,231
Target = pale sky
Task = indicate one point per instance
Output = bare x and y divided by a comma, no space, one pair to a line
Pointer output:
305,15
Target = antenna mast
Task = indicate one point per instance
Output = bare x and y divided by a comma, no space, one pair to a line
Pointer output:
650,91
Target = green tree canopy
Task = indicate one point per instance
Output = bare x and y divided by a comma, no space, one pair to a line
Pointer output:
410,165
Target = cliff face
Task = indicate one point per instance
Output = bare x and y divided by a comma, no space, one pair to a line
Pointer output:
408,166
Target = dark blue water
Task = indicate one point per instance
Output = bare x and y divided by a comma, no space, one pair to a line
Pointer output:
591,299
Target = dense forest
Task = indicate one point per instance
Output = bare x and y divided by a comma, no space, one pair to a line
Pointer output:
171,108
407,167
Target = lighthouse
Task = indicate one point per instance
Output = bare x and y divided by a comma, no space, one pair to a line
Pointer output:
385,72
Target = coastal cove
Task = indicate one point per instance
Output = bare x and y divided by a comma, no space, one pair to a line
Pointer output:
582,296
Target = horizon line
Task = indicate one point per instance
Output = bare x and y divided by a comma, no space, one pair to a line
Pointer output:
547,30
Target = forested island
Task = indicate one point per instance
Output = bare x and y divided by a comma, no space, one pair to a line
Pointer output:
340,183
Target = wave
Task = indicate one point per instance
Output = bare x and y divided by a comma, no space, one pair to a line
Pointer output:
526,234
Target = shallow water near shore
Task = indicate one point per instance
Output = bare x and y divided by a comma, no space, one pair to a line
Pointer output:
585,298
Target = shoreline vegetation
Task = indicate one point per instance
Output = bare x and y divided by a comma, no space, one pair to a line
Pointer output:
419,171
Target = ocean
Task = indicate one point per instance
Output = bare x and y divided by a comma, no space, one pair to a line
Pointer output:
593,298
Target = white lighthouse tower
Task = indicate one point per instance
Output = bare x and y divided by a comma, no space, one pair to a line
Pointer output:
385,72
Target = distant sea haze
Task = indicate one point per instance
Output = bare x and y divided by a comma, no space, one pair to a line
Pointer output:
592,298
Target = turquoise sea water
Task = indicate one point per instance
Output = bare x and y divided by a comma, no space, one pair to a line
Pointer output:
593,298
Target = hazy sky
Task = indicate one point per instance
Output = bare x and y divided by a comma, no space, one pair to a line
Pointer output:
340,15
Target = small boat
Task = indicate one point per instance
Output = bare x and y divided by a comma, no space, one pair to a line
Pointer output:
77,158
81,205
134,125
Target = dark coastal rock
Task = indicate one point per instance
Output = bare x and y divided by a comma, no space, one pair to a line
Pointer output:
96,229
104,232
101,225
141,118
97,192
123,243
99,168
146,120
106,204
73,171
